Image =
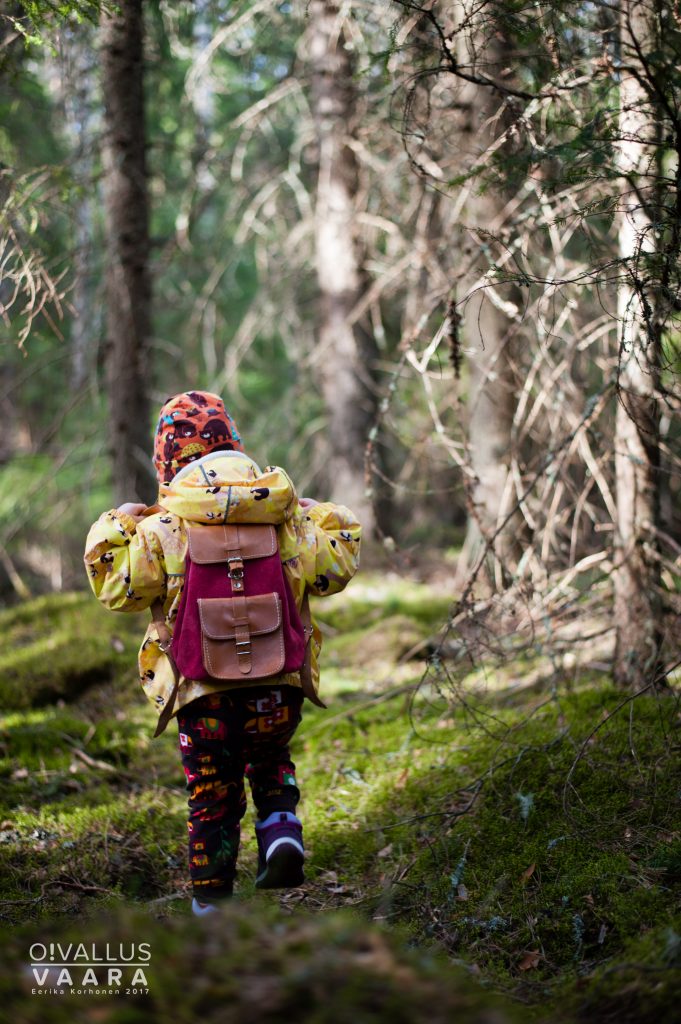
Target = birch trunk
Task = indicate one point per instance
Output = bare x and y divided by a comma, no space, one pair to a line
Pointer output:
128,286
637,609
344,374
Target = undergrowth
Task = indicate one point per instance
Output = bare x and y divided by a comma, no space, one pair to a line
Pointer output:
532,837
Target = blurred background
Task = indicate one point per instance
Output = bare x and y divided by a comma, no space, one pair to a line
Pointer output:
394,243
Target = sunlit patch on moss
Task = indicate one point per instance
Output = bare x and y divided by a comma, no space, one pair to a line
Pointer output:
55,647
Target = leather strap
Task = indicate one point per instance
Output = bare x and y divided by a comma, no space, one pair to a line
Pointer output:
233,545
306,669
235,563
165,639
242,635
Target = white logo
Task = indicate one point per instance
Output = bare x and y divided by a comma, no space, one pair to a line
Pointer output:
82,968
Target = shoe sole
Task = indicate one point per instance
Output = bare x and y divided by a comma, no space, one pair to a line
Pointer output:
284,870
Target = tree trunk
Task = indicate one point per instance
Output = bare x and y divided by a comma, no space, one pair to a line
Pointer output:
491,406
76,70
488,328
636,577
128,286
345,376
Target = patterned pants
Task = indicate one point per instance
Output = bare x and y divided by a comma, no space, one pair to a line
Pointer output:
224,737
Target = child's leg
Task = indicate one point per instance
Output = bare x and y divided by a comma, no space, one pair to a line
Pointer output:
212,757
274,716
271,720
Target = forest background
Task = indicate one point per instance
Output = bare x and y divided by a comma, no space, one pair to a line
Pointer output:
428,253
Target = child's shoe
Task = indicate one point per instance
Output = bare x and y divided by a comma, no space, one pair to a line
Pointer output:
200,909
211,902
280,851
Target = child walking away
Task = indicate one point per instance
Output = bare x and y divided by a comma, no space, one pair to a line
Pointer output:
225,561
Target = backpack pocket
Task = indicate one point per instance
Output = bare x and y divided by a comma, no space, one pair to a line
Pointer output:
242,636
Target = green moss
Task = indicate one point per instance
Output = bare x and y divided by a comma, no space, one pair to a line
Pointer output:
534,838
368,601
383,643
58,646
641,986
570,869
263,968
110,845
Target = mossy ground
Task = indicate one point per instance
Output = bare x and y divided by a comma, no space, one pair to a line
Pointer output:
534,836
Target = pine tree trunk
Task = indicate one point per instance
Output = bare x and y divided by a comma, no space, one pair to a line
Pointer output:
636,578
491,404
344,373
76,70
488,329
128,286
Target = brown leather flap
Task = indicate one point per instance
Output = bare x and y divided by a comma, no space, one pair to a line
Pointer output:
218,615
217,542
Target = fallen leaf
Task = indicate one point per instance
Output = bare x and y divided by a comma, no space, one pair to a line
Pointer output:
386,851
461,892
530,960
117,644
527,873
602,933
402,779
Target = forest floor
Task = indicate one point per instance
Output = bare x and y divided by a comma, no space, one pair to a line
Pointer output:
511,852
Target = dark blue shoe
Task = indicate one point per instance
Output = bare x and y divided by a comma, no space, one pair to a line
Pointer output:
280,851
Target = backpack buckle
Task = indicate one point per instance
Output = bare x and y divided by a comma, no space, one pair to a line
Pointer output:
235,572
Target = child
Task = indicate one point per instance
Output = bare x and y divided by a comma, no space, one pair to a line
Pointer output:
227,730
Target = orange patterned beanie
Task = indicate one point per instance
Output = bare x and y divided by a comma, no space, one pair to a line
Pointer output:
191,425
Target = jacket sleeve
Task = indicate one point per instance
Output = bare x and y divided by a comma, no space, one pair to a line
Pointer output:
336,548
125,566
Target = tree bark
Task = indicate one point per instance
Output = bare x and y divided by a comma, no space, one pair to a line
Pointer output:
76,69
491,404
345,376
128,285
488,328
636,577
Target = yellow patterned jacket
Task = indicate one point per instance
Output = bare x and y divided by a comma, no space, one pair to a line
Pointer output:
130,564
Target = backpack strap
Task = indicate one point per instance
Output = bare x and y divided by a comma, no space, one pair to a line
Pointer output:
306,670
165,639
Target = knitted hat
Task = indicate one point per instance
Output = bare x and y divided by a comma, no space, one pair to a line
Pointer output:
191,425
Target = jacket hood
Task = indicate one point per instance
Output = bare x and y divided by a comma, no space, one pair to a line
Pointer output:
190,426
229,487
